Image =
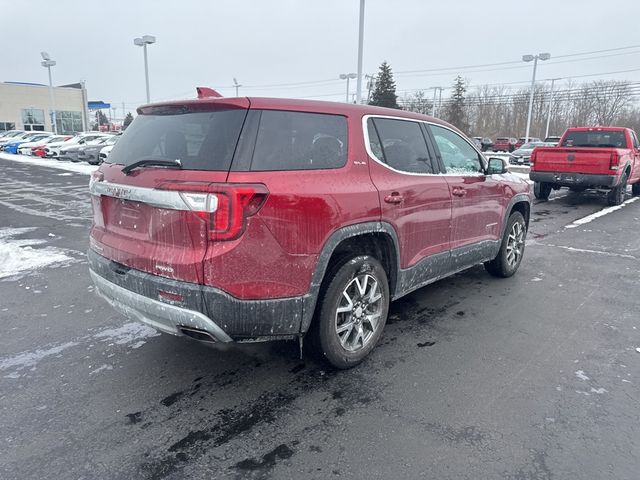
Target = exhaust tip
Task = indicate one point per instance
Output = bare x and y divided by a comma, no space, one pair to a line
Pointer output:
198,334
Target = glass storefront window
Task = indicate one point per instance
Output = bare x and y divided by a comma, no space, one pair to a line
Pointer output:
32,116
68,122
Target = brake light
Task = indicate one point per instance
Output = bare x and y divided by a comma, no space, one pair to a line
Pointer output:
532,159
613,161
224,207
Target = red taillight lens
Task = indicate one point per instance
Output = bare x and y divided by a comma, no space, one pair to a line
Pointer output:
234,203
532,159
613,161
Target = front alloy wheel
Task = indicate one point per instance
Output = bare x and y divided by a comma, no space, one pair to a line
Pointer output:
515,244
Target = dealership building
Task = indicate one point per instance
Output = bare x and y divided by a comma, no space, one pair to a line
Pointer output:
27,106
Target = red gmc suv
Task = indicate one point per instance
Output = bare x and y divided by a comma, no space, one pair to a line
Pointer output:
254,219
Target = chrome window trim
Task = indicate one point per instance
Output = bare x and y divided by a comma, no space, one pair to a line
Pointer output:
170,199
365,133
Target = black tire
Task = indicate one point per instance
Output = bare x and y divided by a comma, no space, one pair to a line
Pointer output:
635,188
348,276
616,194
542,190
505,265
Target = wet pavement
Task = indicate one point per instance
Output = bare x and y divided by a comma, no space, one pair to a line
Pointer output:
533,377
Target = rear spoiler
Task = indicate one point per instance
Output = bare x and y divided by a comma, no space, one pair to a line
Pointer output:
206,92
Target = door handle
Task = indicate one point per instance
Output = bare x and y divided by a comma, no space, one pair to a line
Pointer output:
395,197
459,192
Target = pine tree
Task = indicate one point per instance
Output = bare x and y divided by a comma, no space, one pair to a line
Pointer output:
127,120
455,112
101,119
384,93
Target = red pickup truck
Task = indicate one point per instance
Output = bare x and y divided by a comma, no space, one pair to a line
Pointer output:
589,157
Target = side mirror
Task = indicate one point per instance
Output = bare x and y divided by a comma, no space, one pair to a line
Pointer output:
496,166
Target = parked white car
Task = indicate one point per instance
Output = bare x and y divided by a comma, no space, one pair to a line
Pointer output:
53,149
27,148
104,153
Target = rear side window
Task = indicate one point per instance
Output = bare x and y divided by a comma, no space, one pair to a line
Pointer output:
595,139
300,141
200,140
402,145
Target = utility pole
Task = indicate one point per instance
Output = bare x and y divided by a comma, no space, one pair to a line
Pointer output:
546,132
236,84
360,46
435,111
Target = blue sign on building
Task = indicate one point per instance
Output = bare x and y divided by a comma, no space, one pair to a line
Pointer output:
98,105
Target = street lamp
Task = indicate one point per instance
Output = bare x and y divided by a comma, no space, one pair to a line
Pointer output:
534,58
48,63
143,42
360,46
347,77
236,84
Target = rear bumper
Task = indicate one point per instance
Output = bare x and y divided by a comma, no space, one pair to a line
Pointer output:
159,315
135,294
574,179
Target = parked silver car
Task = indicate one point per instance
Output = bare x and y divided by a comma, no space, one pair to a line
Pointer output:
522,156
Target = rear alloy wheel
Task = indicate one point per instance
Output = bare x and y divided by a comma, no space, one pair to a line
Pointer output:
353,311
616,195
511,251
542,190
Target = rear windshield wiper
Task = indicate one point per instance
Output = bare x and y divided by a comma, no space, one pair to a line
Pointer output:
162,163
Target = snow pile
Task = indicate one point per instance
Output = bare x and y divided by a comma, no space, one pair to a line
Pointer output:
127,334
84,169
24,360
18,256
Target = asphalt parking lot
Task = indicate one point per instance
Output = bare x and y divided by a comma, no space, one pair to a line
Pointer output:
533,377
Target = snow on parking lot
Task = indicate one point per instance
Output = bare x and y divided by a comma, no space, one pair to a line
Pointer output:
18,257
82,168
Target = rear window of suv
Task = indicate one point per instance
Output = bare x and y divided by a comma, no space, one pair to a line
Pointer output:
200,140
596,139
299,141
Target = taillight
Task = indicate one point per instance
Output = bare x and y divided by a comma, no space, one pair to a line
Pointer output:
227,205
613,161
532,159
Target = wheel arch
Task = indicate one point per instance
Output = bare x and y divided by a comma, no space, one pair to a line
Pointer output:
377,239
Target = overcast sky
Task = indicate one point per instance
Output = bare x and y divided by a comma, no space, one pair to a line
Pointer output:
273,42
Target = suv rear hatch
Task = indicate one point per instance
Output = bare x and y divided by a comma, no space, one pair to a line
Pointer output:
159,216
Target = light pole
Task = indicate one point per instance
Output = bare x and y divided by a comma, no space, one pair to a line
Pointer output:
236,84
433,110
535,58
546,132
360,42
143,42
48,63
348,76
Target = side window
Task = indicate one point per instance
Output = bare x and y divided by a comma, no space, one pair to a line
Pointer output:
402,145
457,155
300,141
635,140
